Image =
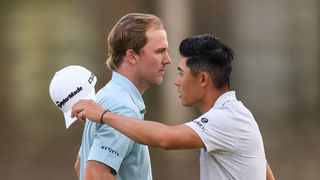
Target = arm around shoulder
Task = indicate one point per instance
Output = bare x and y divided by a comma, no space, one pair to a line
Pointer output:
155,134
181,137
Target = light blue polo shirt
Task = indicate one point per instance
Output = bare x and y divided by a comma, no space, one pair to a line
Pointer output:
128,159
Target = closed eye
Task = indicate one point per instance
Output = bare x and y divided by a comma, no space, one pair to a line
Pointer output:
180,71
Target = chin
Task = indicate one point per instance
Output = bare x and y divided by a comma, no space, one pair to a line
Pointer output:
187,103
184,103
158,82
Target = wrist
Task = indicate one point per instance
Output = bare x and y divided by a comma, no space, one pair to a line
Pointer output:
101,117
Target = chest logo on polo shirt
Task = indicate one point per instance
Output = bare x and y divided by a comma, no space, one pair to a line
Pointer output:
204,120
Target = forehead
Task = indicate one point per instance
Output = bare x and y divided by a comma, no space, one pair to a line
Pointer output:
157,36
182,64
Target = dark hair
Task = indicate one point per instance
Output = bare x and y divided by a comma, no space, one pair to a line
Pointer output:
209,54
129,33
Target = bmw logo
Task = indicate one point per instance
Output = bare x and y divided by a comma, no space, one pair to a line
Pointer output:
204,120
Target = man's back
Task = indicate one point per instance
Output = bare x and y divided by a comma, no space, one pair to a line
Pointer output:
127,159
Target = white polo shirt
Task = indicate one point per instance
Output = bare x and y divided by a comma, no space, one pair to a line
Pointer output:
233,143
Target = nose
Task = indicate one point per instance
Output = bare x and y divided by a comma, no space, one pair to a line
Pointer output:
166,59
176,81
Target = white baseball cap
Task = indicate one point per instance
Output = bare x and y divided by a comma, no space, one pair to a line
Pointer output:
68,86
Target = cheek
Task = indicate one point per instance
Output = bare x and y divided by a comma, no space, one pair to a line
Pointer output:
149,65
152,64
186,96
186,88
189,90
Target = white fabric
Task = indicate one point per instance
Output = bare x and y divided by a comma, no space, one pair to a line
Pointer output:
233,143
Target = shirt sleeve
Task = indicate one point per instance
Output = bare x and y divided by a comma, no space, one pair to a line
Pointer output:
215,132
110,146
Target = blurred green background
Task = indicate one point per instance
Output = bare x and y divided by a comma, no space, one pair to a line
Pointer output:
276,74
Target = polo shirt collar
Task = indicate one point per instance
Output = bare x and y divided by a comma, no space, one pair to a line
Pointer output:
227,96
131,89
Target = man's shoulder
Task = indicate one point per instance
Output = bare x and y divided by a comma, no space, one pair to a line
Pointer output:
113,95
112,91
117,99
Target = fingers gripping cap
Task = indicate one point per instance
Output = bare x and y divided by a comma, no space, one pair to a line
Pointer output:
68,86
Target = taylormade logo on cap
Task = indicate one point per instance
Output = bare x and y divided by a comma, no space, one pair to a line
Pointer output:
63,102
68,86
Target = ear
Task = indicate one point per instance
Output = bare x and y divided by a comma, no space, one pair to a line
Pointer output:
204,79
131,56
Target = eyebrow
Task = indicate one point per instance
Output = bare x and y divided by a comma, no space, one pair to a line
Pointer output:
161,49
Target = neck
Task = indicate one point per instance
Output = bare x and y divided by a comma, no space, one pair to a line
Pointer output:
129,75
210,99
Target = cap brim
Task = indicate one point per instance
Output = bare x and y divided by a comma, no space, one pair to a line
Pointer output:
68,119
67,115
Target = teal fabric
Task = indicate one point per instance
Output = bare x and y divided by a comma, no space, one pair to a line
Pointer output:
128,159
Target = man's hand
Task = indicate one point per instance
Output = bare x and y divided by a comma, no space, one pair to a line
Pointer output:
87,109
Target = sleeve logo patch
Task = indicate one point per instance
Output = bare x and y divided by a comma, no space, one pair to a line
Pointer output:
204,120
110,150
201,126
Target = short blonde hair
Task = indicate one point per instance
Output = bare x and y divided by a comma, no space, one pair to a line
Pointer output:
129,33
